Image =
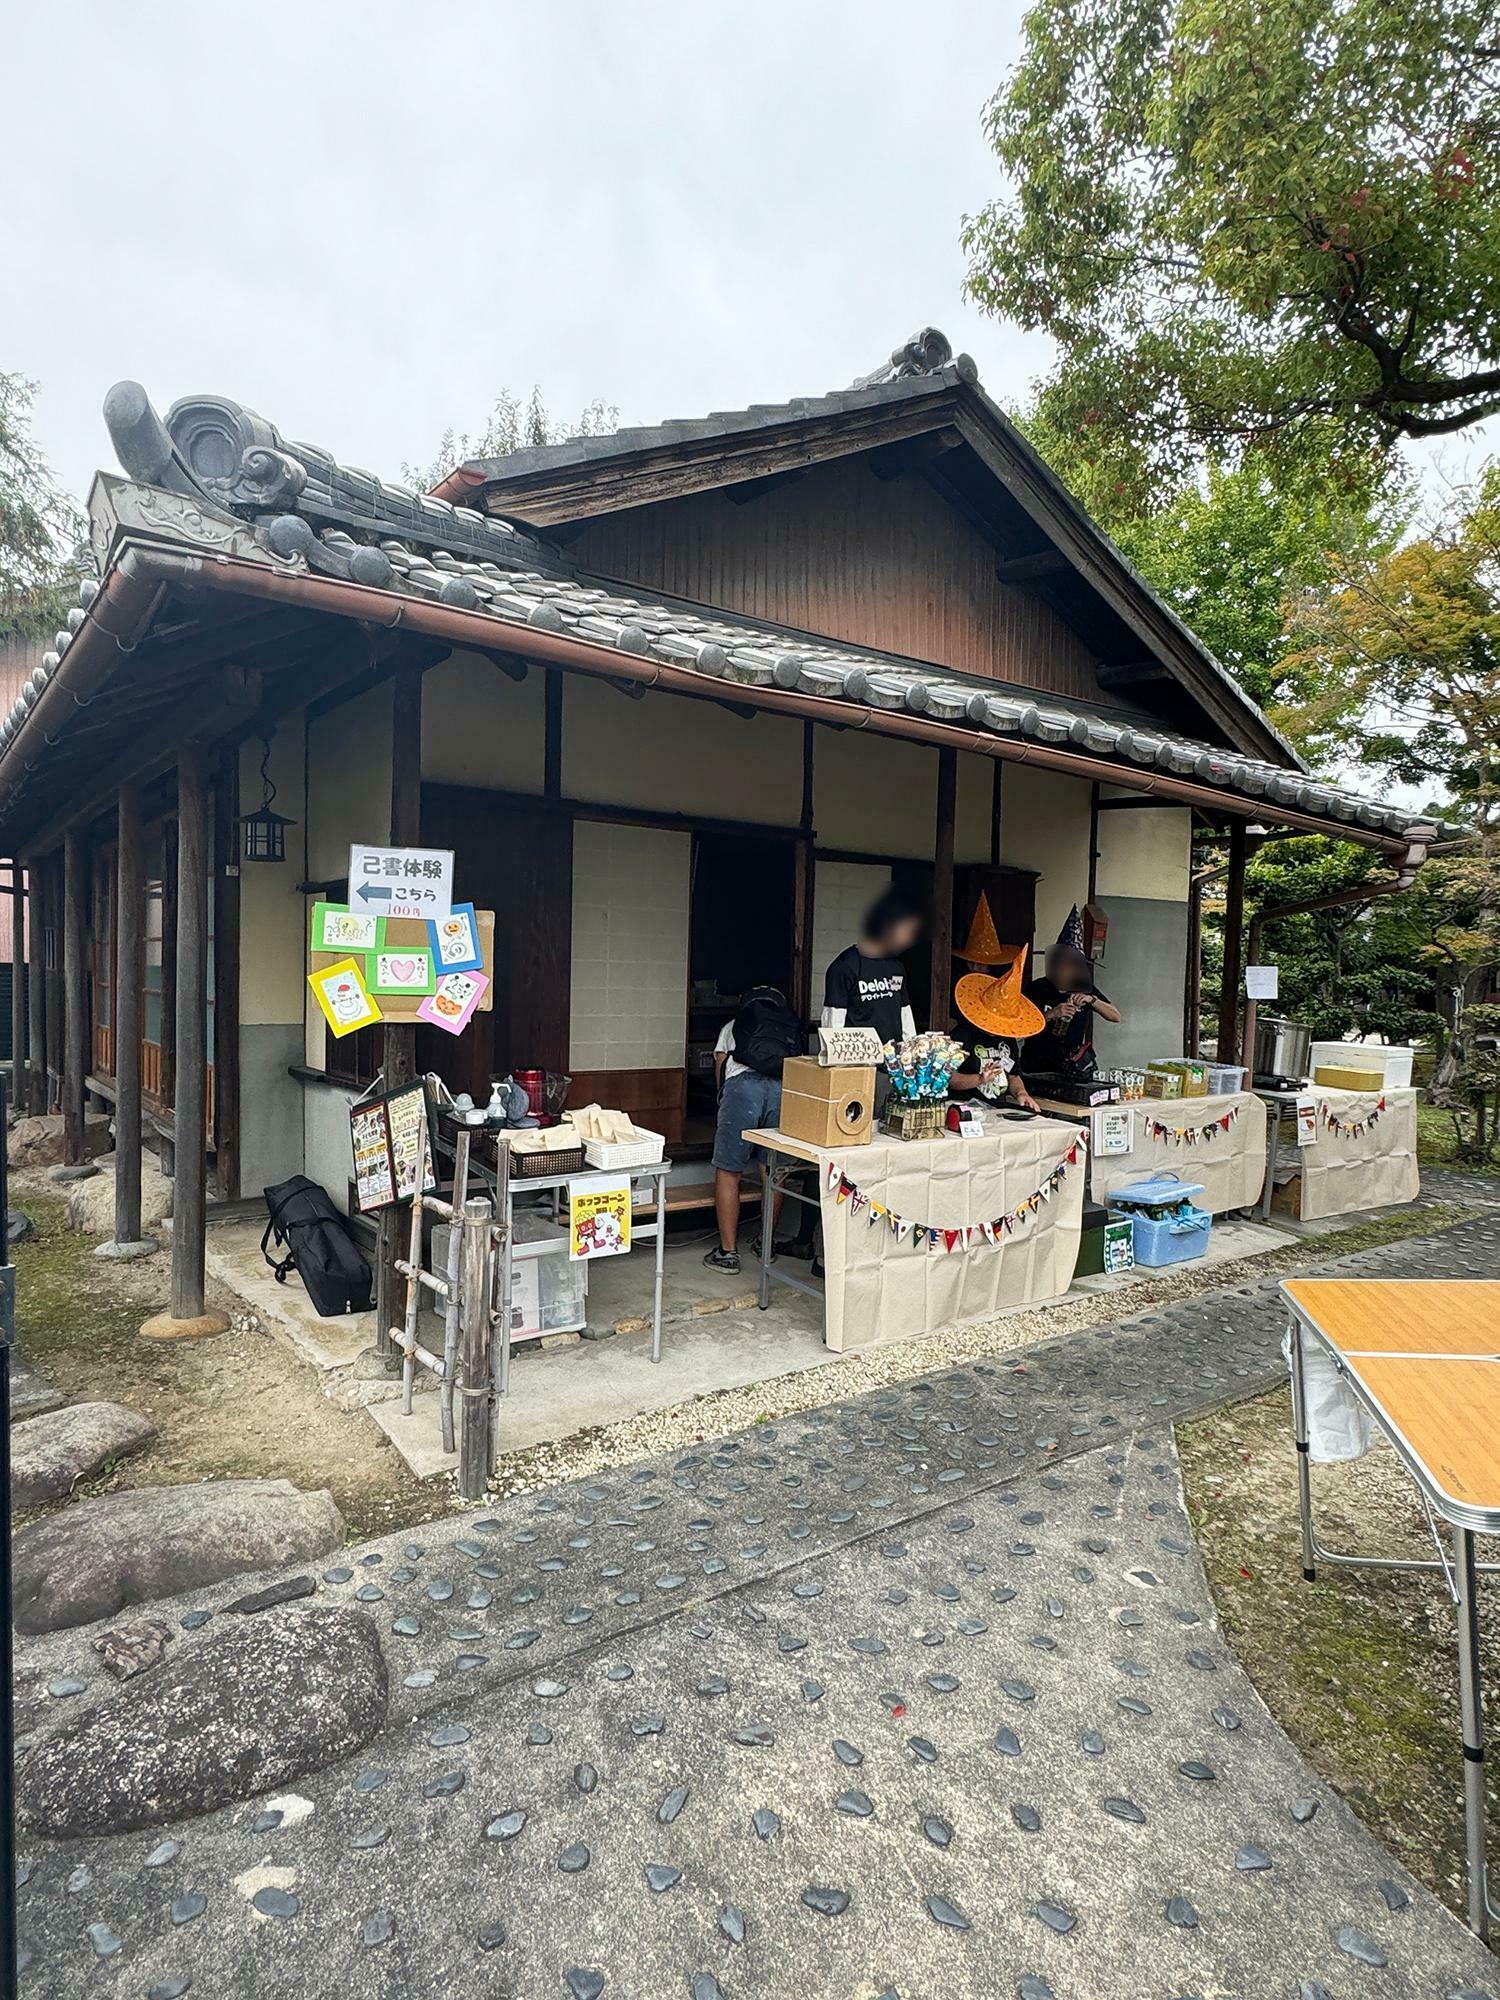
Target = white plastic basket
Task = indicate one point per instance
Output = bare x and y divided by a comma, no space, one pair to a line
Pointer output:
644,1150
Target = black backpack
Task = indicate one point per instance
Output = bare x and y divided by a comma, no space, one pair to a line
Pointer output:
319,1247
766,1032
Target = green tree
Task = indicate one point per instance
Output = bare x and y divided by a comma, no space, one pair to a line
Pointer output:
1231,550
1250,223
39,528
1399,660
511,426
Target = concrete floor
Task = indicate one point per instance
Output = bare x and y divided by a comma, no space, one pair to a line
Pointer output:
714,1337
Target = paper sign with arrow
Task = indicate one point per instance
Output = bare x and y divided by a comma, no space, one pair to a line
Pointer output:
401,881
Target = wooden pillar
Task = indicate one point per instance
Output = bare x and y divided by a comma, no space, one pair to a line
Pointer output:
75,997
18,994
801,995
169,896
1234,946
36,983
226,1049
940,998
55,1042
400,1041
475,1441
997,807
1192,985
130,969
187,1318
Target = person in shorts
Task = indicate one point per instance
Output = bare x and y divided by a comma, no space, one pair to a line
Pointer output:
767,1031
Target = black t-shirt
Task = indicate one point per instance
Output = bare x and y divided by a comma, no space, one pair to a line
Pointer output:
1061,1045
871,991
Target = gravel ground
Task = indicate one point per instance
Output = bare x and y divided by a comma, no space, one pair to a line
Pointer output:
733,1410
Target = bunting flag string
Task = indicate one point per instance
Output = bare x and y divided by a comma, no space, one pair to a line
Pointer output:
1191,1135
1350,1128
930,1236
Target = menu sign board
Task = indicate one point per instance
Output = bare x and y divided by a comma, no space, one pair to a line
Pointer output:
849,1048
392,1143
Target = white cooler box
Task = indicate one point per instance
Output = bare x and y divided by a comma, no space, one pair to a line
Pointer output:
1392,1059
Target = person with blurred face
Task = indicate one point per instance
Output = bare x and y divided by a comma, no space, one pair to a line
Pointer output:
865,986
1070,1004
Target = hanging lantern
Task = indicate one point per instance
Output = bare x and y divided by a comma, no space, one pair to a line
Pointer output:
265,831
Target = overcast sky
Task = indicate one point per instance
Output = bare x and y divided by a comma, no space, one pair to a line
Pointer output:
365,221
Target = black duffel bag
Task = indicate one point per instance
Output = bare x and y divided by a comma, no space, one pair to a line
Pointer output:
319,1247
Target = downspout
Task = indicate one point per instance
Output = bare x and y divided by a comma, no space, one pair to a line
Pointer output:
1367,892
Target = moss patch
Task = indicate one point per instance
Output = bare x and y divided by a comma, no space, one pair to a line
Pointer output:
239,1406
1359,1668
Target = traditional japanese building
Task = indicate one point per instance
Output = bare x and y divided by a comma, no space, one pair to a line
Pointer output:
679,698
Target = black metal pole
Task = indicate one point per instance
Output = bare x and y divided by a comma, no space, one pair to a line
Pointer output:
9,1945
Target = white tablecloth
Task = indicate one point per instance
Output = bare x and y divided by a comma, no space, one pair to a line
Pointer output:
1188,1137
1366,1159
883,1285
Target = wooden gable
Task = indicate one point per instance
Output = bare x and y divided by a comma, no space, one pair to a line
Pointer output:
844,551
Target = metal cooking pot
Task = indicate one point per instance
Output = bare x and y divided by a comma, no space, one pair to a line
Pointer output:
1282,1048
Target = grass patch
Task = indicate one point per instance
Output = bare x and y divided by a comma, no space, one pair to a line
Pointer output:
1359,1668
1438,1142
239,1406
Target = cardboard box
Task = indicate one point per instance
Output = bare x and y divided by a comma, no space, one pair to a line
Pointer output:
826,1106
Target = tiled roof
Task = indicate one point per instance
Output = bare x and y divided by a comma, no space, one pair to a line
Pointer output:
925,363
294,507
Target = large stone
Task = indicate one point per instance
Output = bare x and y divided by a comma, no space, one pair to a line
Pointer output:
51,1453
91,1204
38,1142
128,1548
258,1704
30,1393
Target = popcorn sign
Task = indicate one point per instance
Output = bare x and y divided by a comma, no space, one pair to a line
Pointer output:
401,881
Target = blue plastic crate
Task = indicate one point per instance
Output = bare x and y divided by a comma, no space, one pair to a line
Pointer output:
1176,1239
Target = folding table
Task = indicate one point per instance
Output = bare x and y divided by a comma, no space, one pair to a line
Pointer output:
1423,1358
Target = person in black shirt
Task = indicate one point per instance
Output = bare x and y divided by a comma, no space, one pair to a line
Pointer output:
865,986
1070,1001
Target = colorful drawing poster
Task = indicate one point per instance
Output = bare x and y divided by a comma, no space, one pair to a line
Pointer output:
374,1172
411,1140
337,928
456,996
598,1216
401,970
341,993
455,940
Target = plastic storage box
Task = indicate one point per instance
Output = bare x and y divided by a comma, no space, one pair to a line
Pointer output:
1168,1228
1225,1078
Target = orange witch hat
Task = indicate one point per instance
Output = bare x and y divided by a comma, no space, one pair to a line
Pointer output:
998,1006
983,946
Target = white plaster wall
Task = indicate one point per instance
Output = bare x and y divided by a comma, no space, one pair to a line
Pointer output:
1044,823
329,1159
631,897
271,910
842,892
1145,851
349,788
674,755
481,728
